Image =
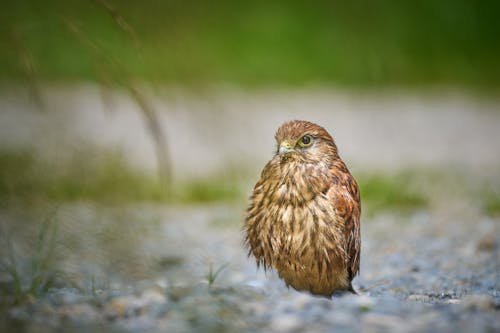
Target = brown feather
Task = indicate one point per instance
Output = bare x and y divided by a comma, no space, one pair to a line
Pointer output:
303,218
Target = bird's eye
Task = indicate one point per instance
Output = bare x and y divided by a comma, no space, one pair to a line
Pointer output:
306,141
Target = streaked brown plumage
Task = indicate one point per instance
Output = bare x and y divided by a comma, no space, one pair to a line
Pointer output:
303,218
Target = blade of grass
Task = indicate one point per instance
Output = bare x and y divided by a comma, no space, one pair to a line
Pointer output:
211,275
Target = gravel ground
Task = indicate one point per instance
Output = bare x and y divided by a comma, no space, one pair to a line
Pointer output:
422,271
419,272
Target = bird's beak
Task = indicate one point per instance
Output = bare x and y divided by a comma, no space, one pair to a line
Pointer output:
285,147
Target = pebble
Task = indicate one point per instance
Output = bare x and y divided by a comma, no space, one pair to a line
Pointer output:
122,307
478,302
66,296
375,322
364,303
419,298
286,323
487,243
80,313
151,302
453,301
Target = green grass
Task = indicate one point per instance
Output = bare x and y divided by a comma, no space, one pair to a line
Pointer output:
491,203
34,273
107,177
103,177
220,188
212,275
350,43
382,192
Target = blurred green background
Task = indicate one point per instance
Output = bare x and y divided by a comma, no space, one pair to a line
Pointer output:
259,44
256,43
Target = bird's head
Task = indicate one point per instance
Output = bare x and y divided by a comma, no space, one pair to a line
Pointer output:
304,141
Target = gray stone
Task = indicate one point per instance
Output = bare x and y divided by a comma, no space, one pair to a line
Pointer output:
286,323
419,298
478,302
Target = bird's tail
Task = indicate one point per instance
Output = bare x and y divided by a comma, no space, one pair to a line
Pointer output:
351,289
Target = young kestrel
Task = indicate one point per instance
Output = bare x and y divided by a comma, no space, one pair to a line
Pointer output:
303,218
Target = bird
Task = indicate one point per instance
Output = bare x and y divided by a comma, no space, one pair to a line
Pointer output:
303,218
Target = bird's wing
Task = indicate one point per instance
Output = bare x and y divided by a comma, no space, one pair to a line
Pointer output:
253,221
344,195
